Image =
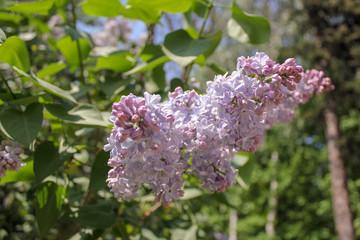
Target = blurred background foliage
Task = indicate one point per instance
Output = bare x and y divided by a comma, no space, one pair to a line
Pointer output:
96,51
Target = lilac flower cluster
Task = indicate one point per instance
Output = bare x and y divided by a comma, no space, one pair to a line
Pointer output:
9,156
154,144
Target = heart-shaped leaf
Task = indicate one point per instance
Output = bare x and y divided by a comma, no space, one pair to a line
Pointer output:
182,48
23,127
47,159
248,28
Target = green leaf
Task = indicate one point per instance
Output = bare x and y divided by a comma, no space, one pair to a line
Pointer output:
113,86
47,160
199,7
108,8
23,127
157,80
46,86
14,52
25,174
248,28
169,6
69,49
38,7
9,17
2,36
176,82
84,114
190,193
49,200
148,65
42,98
215,41
182,234
183,49
75,35
119,62
245,165
51,69
97,216
216,68
99,171
135,9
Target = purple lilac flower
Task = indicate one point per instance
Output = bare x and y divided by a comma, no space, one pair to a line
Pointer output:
9,157
154,144
312,81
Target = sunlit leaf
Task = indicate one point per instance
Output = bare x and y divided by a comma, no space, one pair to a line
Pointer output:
248,28
190,193
84,114
69,49
46,86
14,52
22,126
184,234
49,200
108,8
10,17
51,69
37,7
120,62
170,6
148,65
140,10
25,174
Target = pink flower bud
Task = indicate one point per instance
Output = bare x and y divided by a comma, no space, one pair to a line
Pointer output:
135,118
142,111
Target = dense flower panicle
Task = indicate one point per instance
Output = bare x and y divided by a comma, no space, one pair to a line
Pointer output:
144,149
9,157
154,144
